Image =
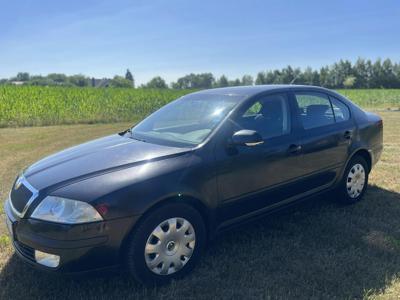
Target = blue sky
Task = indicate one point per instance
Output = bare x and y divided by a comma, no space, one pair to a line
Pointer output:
175,37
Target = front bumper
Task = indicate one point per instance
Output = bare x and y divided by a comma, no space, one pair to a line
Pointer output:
82,248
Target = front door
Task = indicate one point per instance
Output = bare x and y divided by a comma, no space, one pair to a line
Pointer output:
246,171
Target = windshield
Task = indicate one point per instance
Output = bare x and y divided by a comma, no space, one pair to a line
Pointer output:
187,121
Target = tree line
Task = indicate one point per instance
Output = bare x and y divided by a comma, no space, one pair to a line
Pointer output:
342,74
79,80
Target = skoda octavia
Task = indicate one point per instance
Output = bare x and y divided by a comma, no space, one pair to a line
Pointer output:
148,199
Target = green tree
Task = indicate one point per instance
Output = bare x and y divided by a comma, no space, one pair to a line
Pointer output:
185,82
57,78
129,76
377,74
388,75
79,80
247,80
288,75
204,80
361,72
260,79
323,76
120,82
41,81
367,74
222,81
195,81
309,76
175,86
349,81
235,82
396,71
156,83
22,76
272,77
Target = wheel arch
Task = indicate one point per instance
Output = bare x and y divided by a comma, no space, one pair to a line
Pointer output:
364,153
205,212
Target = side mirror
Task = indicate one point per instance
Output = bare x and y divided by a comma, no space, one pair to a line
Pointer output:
247,138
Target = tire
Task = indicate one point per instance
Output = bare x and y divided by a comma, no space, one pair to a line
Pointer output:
355,180
176,251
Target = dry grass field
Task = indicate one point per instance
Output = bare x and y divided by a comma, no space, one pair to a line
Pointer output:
316,250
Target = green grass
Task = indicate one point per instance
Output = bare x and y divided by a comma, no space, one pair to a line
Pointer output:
4,240
38,106
317,250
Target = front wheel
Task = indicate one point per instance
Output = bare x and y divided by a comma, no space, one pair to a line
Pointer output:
167,244
355,180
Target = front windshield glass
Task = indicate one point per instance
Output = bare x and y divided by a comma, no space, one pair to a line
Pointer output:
187,121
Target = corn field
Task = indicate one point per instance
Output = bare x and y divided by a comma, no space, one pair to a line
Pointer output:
39,106
374,98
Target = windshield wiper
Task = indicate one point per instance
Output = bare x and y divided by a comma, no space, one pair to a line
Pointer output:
135,137
129,130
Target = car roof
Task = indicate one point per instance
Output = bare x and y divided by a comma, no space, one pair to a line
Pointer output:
253,90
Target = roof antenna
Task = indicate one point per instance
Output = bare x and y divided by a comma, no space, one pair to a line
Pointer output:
294,79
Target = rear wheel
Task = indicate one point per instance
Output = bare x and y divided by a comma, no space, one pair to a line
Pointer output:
355,180
167,244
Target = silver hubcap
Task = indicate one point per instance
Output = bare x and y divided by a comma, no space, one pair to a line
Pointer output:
355,181
170,246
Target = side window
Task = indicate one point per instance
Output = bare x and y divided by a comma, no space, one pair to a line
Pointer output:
253,110
314,110
341,111
269,116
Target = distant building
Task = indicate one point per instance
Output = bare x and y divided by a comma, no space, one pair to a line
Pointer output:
18,82
98,83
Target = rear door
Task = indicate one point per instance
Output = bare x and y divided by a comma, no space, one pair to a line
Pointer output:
326,135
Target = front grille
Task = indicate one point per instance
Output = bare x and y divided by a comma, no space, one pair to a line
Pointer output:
20,197
25,250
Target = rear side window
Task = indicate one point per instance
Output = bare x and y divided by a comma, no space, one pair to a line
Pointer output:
341,111
314,110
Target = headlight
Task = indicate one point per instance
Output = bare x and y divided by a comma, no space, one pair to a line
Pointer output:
67,211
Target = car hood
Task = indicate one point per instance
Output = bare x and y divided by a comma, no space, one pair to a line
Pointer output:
93,158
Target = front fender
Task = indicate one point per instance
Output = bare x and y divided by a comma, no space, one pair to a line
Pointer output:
132,191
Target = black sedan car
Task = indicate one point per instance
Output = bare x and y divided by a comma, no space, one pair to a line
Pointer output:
150,198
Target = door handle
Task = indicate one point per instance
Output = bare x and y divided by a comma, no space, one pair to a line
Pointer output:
294,149
348,134
254,144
